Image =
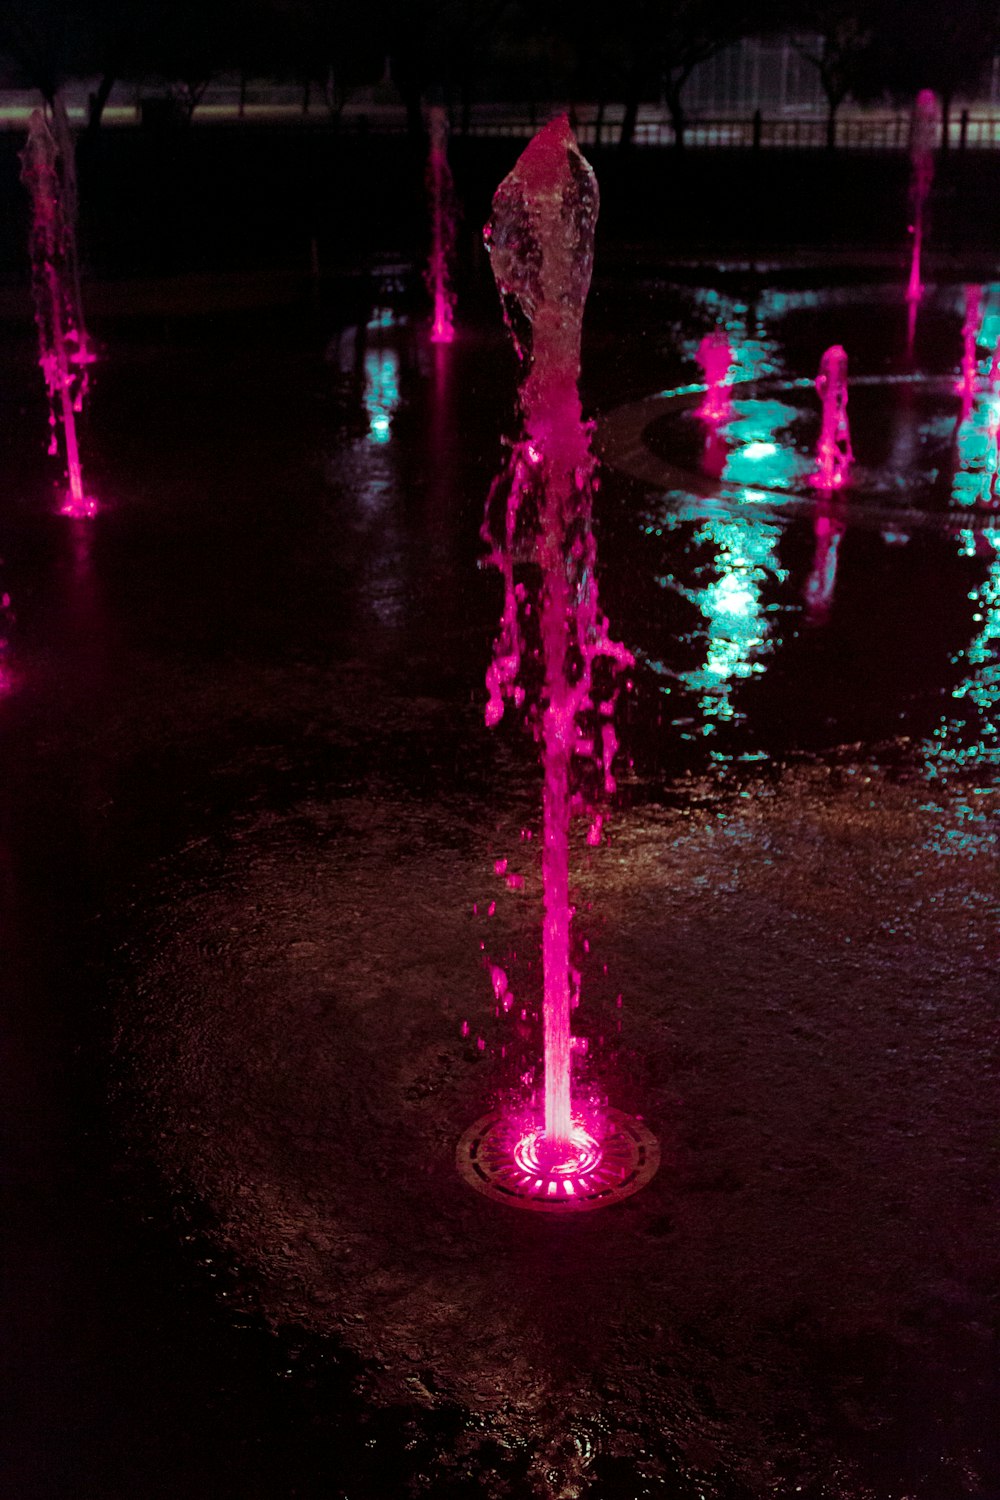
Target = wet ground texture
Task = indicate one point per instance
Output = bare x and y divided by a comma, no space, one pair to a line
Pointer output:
248,828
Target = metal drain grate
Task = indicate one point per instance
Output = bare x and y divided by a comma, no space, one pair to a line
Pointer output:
497,1158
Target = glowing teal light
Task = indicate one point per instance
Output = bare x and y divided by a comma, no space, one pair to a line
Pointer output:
381,392
382,317
978,443
969,736
989,331
757,456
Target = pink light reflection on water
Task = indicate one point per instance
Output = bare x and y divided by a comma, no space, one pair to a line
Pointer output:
540,239
64,351
828,530
923,139
833,451
441,190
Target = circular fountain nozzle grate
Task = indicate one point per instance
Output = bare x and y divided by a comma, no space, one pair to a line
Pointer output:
498,1157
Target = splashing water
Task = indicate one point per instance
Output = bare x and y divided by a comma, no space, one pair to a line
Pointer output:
540,239
970,333
715,356
923,137
64,349
833,451
441,190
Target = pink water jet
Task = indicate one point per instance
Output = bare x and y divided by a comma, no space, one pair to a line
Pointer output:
64,352
441,191
538,528
833,451
923,139
970,333
540,239
715,355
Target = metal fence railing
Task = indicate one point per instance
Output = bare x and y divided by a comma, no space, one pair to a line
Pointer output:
853,132
235,101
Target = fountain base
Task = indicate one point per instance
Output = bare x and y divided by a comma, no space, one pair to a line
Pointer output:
79,510
497,1157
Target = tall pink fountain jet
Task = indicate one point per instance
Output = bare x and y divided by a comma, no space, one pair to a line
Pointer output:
923,139
833,451
541,240
441,191
64,353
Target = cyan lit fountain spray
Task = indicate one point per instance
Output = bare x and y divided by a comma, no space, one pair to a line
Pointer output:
64,352
441,191
923,138
833,462
567,1153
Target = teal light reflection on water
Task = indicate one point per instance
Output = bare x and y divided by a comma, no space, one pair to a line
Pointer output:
381,391
976,440
967,739
736,632
757,455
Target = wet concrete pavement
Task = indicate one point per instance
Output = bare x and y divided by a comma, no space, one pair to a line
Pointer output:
248,806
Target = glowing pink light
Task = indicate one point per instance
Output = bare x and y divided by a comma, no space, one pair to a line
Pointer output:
64,348
540,240
923,139
833,451
441,190
6,677
715,356
557,1161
